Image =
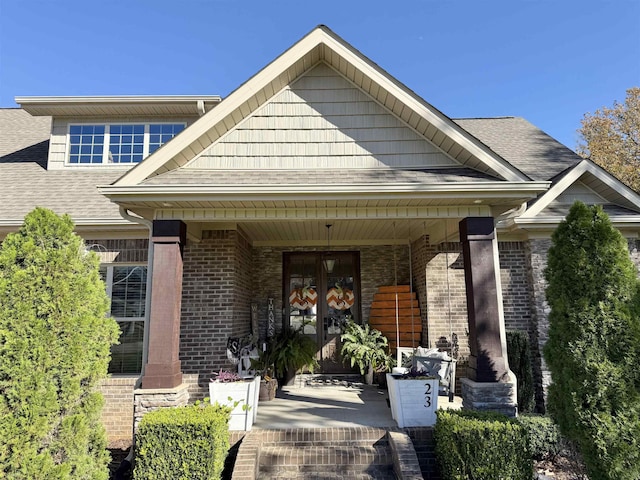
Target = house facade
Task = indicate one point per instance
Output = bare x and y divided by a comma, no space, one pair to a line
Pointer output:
291,202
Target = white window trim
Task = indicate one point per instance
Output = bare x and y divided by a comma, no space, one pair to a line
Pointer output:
109,287
107,137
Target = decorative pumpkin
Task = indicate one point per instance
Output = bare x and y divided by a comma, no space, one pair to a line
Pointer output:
340,298
303,298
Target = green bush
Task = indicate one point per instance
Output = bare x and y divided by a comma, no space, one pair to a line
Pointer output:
519,354
545,440
55,340
182,443
481,446
593,351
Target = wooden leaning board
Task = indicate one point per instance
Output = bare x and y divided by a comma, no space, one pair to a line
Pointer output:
383,315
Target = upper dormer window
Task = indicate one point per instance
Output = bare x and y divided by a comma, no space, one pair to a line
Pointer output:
118,143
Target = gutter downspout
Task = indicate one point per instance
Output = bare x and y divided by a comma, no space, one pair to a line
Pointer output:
147,303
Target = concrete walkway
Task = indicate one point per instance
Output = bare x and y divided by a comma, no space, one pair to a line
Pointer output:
342,404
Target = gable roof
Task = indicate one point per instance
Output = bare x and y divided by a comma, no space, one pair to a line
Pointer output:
620,202
322,45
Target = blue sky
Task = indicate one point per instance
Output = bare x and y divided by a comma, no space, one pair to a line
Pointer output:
549,61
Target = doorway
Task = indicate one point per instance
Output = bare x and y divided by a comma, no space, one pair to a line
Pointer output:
320,300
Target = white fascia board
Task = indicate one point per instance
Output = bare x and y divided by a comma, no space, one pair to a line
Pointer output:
450,190
114,100
618,221
585,166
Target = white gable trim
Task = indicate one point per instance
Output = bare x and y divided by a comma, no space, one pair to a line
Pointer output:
320,44
586,166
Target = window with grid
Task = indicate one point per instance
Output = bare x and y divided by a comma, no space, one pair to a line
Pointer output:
161,133
126,143
86,143
127,286
118,143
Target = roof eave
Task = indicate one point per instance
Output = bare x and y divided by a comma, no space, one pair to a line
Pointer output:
118,105
320,191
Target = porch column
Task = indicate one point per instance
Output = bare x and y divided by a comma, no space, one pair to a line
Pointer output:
163,365
487,341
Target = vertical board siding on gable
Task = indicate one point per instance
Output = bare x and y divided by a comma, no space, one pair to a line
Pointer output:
60,129
321,121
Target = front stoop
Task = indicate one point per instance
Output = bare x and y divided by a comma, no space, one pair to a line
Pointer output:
326,454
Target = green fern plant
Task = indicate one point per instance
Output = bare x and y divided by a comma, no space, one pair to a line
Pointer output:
365,347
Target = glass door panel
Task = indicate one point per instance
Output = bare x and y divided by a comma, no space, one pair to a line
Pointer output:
339,306
321,302
302,295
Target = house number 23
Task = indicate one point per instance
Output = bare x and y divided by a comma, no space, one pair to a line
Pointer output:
427,397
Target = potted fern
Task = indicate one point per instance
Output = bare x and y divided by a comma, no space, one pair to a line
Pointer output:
291,350
367,348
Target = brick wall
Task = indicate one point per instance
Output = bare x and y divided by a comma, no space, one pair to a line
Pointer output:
215,301
446,296
117,414
419,254
514,276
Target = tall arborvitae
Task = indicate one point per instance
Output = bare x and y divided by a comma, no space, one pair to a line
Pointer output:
55,339
593,350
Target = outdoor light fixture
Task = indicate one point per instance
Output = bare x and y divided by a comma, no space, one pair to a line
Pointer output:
329,263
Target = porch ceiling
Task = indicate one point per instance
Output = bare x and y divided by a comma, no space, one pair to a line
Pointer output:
343,234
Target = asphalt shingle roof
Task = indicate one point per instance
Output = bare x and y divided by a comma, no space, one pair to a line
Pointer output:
26,184
522,144
186,176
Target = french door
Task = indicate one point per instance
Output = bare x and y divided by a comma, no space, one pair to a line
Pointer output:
320,300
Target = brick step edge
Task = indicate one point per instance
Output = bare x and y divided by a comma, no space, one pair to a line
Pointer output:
328,476
354,443
328,471
330,458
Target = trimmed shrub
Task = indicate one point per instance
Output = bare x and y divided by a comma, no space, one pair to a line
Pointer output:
519,355
481,446
593,351
182,443
545,440
55,340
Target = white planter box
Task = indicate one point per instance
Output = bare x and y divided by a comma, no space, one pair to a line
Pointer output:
413,402
245,393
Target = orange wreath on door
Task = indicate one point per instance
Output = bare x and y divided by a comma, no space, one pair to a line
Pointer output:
303,298
340,298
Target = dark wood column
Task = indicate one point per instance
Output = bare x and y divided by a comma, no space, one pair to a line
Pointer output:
163,364
484,305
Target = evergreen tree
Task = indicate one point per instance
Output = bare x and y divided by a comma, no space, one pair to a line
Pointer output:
593,350
55,339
